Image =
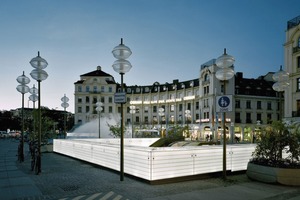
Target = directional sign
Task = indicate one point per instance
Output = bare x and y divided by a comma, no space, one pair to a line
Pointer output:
120,97
224,103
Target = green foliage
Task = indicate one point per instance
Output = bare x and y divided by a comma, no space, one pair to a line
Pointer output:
116,129
275,140
174,134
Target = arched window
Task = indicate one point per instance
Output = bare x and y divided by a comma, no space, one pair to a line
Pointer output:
206,77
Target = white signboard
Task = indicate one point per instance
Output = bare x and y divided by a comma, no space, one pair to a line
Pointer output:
224,103
120,97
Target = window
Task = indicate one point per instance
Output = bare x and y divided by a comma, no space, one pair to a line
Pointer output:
79,88
102,100
87,109
94,100
237,117
137,119
172,108
102,89
258,105
109,89
154,109
298,106
110,100
79,100
206,77
189,106
95,88
299,42
87,88
237,104
146,109
298,85
197,105
248,118
79,109
258,117
248,104
146,119
206,90
110,109
269,118
87,99
298,61
269,106
180,107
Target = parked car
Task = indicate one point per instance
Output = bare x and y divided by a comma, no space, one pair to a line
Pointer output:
3,134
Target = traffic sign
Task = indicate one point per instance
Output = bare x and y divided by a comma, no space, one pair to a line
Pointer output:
224,103
120,97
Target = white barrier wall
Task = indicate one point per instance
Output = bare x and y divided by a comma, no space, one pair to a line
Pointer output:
151,163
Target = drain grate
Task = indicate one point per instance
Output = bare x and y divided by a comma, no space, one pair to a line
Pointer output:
68,188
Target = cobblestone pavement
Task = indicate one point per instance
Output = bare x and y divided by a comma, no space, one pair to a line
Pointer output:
66,178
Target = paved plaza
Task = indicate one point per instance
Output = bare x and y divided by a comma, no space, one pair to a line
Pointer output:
66,178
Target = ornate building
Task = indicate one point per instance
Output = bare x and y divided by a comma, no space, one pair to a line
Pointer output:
191,102
292,66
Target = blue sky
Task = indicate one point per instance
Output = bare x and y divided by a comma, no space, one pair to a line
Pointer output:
169,39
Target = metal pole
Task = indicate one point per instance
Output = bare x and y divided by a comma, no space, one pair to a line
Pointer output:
40,128
99,122
65,127
122,137
22,133
224,138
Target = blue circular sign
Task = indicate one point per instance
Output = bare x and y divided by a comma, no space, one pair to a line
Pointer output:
224,101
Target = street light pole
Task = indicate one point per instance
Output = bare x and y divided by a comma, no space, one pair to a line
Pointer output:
99,108
121,65
65,104
22,88
281,79
39,75
225,63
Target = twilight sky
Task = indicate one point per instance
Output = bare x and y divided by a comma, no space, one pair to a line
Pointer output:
169,39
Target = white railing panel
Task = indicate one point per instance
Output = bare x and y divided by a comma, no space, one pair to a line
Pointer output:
208,160
156,163
240,156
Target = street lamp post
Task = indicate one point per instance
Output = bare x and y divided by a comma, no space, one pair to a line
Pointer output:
132,111
121,65
161,113
225,63
281,79
22,88
99,109
187,116
65,104
39,75
33,97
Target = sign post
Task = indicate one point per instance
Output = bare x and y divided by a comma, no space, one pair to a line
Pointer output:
224,103
120,97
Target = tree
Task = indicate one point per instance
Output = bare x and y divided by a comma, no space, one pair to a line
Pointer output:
115,129
274,140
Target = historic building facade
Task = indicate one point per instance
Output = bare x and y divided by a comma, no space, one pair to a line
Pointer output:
292,66
191,102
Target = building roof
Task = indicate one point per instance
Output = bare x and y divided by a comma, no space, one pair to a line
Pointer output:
261,86
97,72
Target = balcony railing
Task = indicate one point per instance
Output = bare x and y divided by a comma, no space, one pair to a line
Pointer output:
296,49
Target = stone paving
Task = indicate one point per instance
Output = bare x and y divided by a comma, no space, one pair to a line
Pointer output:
67,178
